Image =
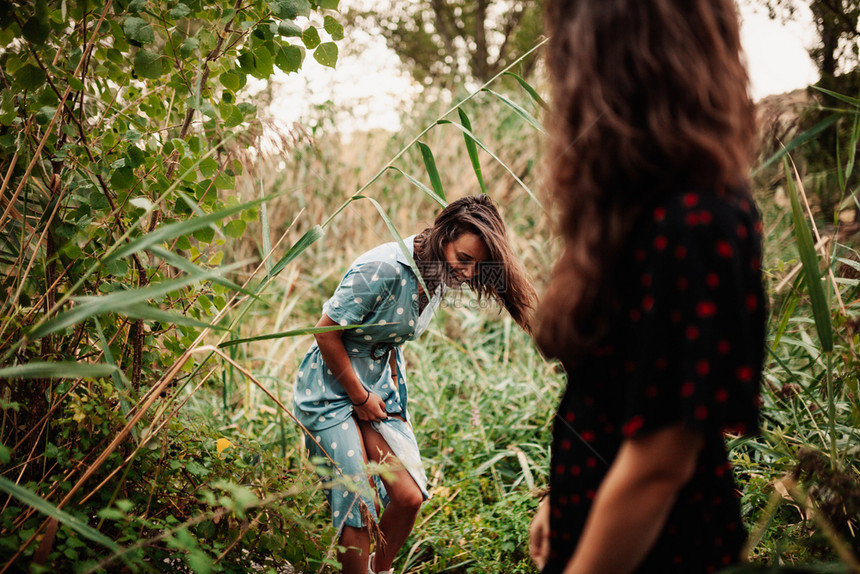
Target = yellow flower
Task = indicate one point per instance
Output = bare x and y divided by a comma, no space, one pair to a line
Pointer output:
223,444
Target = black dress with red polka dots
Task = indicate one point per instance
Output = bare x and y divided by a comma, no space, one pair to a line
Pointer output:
685,346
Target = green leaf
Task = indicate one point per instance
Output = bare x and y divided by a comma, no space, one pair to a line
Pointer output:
150,313
263,63
811,266
180,11
136,157
289,58
36,29
8,113
290,333
196,468
199,561
328,4
208,167
231,115
422,187
529,89
115,56
147,64
118,302
290,29
520,111
58,370
326,54
297,248
205,235
472,150
225,181
45,114
131,135
500,162
76,84
30,77
246,62
14,62
290,9
430,164
117,268
247,108
801,139
235,228
97,200
122,178
311,38
854,102
138,30
333,27
184,265
72,251
230,81
40,504
188,47
206,108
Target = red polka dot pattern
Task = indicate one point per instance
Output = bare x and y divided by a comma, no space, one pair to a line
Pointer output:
685,346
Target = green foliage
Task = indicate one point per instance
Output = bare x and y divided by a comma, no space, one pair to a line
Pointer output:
799,478
123,130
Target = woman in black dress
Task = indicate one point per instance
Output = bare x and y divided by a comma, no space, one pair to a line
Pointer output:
656,306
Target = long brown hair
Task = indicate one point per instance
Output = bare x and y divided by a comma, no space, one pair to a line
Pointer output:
501,277
649,97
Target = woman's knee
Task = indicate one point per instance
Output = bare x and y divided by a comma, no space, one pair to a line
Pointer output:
406,494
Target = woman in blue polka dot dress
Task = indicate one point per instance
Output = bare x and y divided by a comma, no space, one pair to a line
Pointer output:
351,388
656,307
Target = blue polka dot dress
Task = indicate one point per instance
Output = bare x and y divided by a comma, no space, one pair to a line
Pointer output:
380,293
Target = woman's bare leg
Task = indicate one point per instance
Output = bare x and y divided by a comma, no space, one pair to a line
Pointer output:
357,544
405,499
353,560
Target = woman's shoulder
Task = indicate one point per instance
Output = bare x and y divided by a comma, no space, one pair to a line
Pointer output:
390,253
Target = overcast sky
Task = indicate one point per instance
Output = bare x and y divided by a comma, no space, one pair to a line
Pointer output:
776,54
372,85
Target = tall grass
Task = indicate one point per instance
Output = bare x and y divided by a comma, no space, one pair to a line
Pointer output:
481,397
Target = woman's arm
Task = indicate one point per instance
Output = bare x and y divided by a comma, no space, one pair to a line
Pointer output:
634,500
368,406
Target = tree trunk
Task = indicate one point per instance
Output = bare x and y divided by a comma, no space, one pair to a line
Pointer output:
480,60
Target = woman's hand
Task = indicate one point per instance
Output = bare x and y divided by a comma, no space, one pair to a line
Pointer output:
539,534
372,410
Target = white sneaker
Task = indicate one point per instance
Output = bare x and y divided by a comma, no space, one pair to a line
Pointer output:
370,569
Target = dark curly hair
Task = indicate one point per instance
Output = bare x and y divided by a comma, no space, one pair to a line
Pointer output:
501,277
649,97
